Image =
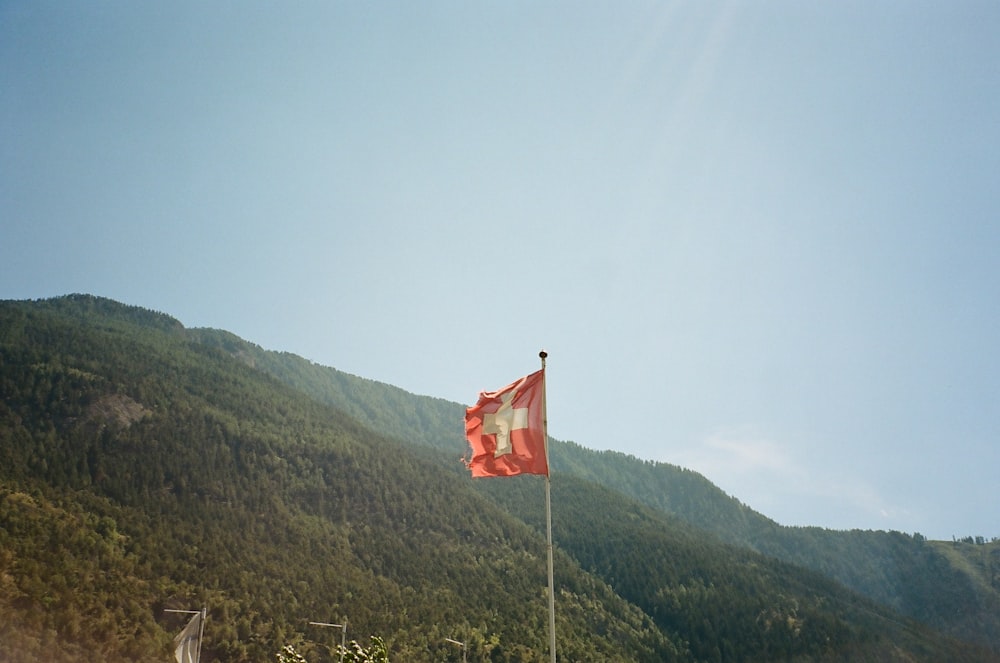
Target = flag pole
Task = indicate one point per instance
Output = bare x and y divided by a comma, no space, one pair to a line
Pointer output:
548,517
201,630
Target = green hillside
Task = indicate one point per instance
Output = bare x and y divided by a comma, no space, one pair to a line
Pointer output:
900,571
144,466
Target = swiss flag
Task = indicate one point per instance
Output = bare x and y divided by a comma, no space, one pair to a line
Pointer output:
506,430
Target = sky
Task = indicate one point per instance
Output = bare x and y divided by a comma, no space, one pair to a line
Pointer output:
757,240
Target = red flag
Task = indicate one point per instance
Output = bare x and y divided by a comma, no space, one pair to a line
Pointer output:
506,431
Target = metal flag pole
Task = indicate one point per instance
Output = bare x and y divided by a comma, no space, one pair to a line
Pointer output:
201,631
343,635
548,517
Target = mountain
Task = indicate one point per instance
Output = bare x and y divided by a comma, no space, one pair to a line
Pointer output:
952,586
145,466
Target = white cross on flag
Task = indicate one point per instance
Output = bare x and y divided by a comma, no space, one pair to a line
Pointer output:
506,431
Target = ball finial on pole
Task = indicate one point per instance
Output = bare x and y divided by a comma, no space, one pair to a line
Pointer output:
543,354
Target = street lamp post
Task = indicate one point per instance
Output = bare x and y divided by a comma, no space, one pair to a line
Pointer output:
343,635
460,644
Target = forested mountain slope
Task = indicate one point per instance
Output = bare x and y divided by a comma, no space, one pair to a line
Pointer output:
901,571
143,469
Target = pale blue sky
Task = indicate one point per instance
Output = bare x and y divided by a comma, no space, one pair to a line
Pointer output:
758,240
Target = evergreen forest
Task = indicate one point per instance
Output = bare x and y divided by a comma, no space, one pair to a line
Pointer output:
147,467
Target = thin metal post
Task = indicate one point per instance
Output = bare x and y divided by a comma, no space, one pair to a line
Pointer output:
548,518
343,635
201,631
